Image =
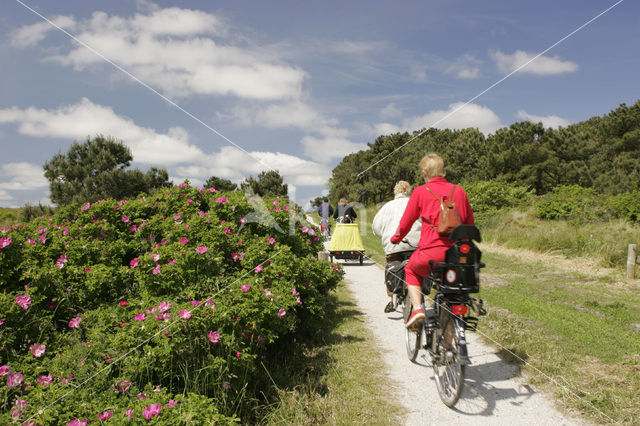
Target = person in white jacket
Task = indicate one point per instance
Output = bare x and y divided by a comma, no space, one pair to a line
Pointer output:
385,224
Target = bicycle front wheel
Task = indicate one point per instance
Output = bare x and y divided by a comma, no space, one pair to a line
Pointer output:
447,368
412,337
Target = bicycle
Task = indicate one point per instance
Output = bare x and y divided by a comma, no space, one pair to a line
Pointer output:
446,323
325,227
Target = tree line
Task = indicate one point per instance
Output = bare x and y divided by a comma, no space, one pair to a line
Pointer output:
99,168
602,153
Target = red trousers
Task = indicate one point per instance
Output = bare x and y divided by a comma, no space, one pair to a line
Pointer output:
418,266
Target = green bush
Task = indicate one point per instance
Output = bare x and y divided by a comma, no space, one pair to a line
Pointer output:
573,203
179,295
626,206
491,196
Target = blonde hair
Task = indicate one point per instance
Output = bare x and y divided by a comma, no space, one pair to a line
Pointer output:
342,201
402,187
432,165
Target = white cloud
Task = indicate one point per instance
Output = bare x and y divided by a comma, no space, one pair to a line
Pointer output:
31,35
180,51
235,165
547,121
86,119
390,111
385,129
465,67
458,116
298,115
358,47
5,197
22,176
543,65
419,73
326,149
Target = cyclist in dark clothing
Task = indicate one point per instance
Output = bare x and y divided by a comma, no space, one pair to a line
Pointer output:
344,213
325,211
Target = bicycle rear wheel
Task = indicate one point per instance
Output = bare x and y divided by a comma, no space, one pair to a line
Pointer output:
412,338
447,369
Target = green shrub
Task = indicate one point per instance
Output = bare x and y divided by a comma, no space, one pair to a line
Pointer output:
573,203
29,212
626,206
491,196
179,294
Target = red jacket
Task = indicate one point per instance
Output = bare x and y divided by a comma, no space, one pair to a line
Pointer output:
422,204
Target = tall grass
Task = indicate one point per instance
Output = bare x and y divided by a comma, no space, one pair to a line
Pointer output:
605,242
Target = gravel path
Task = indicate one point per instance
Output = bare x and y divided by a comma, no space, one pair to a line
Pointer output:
493,391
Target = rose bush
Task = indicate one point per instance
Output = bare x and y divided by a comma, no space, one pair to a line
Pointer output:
172,299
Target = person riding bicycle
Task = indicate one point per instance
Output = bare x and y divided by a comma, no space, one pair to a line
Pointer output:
325,211
386,222
424,204
344,213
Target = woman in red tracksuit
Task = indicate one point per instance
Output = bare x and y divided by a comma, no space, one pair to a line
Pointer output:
423,204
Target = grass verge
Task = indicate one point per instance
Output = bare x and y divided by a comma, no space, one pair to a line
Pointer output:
335,378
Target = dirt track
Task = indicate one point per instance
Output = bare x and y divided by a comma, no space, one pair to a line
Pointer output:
493,393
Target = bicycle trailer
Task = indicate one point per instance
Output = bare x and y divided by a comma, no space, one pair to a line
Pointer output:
346,242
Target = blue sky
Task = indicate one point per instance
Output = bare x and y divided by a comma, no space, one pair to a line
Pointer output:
235,87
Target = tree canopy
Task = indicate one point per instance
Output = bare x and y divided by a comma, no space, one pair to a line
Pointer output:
268,183
602,153
220,184
97,169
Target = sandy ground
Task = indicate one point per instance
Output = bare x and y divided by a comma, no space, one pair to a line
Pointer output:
494,393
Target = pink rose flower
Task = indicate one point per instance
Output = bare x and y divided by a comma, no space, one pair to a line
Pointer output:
183,240
176,217
77,422
151,411
4,242
202,249
139,317
156,270
282,313
258,269
125,219
14,379
123,386
245,287
213,336
195,302
271,240
129,413
4,370
164,306
134,262
106,415
75,322
171,403
23,302
44,380
85,207
31,241
123,303
222,200
184,314
155,257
